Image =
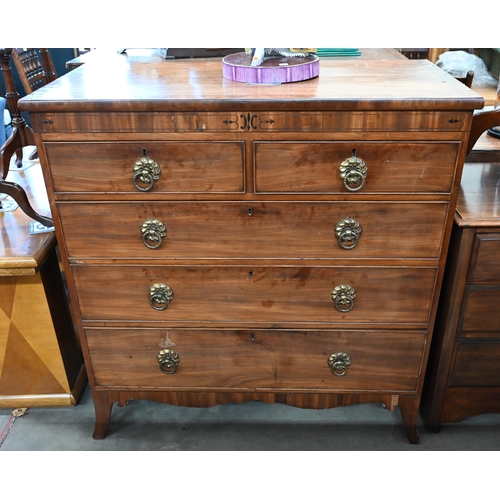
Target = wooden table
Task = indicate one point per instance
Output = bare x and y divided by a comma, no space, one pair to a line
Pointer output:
486,149
40,359
488,93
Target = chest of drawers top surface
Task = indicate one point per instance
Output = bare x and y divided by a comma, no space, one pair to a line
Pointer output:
478,202
199,85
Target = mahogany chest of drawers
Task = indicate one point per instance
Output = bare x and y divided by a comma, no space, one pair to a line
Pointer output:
463,379
228,242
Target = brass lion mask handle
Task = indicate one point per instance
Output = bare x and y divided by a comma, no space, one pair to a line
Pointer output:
160,296
153,232
348,232
168,361
339,362
353,171
343,297
146,172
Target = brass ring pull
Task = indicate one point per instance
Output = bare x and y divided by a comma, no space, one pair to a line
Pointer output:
339,362
353,172
348,232
160,296
146,172
168,361
343,297
153,231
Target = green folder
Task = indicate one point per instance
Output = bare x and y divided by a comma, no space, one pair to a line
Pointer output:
337,52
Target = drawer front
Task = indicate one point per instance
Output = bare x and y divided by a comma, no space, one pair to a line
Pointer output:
256,359
185,167
254,230
476,365
485,267
242,295
313,167
480,310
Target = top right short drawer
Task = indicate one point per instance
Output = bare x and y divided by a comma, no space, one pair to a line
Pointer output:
328,167
485,261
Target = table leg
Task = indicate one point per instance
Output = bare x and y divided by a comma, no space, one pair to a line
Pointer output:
409,405
103,405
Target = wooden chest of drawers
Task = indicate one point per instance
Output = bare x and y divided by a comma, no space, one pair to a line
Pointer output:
228,242
464,377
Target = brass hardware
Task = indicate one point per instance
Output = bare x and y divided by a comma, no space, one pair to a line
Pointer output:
168,361
160,296
146,172
153,231
343,297
339,362
348,232
353,172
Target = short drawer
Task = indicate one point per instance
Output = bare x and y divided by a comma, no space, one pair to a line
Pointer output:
485,261
313,167
476,364
253,230
257,359
241,295
480,310
185,167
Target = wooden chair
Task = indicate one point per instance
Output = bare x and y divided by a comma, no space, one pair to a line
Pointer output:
467,79
22,135
35,68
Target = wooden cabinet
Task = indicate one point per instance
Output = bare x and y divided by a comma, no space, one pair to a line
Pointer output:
230,242
463,379
40,358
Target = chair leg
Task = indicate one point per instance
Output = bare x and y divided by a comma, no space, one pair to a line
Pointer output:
33,155
15,145
18,194
12,146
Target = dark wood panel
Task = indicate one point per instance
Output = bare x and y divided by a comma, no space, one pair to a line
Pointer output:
480,311
261,295
313,167
252,359
276,230
485,265
462,402
197,167
476,364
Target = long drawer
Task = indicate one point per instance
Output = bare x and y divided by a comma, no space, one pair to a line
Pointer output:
253,230
314,167
243,294
476,364
480,311
185,166
485,263
379,361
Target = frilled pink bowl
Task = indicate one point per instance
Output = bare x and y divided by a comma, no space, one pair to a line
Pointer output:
273,70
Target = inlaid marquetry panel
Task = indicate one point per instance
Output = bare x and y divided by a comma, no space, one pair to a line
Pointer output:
244,121
30,359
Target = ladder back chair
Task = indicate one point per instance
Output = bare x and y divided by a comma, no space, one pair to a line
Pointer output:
35,68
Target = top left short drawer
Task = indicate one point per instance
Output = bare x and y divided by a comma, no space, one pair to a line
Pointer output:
120,167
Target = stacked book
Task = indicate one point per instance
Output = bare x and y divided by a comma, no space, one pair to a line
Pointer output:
337,52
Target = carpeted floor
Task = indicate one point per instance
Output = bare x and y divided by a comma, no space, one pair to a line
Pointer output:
150,426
